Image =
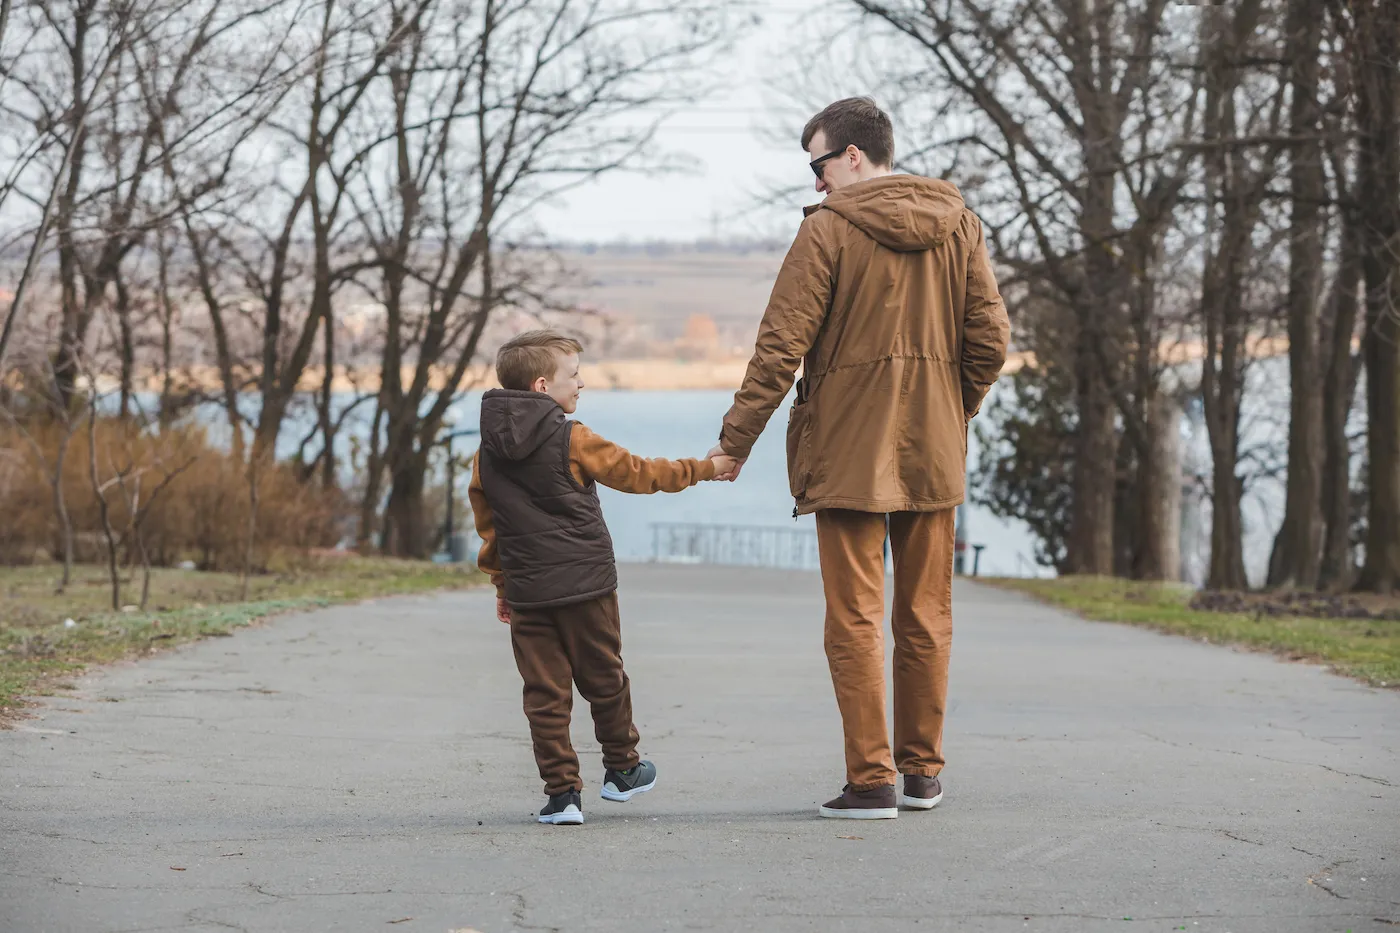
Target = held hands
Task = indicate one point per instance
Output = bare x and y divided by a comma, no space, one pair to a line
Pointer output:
502,610
727,468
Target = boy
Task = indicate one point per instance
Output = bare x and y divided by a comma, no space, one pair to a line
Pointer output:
547,549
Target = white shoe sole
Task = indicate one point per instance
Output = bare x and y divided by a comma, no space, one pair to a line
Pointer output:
622,796
570,816
883,813
920,803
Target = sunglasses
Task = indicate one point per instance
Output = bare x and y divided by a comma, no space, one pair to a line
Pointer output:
817,165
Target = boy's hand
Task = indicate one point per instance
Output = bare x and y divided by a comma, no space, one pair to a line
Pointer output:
726,467
502,610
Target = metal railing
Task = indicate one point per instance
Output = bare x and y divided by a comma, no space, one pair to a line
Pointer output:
735,545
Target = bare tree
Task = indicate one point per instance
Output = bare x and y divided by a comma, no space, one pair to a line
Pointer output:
1081,115
1298,550
1343,368
59,114
492,108
1371,32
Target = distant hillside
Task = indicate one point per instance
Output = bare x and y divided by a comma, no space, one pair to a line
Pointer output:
660,287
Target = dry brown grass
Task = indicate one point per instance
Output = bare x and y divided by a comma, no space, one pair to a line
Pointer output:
201,514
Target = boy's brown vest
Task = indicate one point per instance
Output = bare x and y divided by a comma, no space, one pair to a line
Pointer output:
554,545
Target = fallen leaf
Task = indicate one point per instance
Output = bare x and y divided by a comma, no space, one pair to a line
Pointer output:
173,868
400,920
850,837
230,854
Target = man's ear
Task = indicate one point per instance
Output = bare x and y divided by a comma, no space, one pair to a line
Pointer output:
540,385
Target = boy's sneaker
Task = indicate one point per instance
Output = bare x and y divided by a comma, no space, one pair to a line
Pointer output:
920,792
877,804
564,809
624,785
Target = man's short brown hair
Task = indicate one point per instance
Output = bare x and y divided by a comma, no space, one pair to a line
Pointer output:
855,121
528,356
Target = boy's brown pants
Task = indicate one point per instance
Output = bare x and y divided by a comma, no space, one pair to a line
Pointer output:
556,648
851,547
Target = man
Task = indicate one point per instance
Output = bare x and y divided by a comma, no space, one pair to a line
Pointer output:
888,300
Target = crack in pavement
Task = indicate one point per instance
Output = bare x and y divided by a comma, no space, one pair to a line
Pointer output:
1322,879
1227,833
292,896
518,915
193,917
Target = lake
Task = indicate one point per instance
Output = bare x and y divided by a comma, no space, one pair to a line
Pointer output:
686,424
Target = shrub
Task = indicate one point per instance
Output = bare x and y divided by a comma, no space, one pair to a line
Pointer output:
200,514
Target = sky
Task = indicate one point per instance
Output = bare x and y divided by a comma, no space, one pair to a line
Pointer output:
737,162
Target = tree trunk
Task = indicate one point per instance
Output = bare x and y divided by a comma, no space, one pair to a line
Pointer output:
1378,124
327,398
60,508
374,478
1338,393
103,511
128,350
1222,379
250,529
1159,495
1297,552
1227,529
405,524
1096,445
167,336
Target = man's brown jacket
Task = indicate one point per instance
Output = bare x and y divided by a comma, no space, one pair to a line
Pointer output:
888,300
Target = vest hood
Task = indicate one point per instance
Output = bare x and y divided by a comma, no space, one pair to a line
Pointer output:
515,424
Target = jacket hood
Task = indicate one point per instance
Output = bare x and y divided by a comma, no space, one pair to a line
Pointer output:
901,212
515,424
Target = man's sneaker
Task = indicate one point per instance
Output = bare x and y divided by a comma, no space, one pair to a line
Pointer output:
920,792
877,804
624,785
564,809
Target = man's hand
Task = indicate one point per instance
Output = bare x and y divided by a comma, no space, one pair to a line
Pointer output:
723,460
502,610
725,465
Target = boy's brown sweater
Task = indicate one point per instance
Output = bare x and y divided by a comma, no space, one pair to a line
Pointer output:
591,458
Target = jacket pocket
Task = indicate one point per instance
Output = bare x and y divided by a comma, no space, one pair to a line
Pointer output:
799,448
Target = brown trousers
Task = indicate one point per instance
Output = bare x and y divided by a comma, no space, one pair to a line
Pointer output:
851,547
565,645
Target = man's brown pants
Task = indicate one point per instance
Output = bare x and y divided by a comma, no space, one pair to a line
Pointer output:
851,546
556,648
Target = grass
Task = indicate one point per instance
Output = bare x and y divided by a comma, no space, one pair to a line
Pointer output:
1367,649
46,635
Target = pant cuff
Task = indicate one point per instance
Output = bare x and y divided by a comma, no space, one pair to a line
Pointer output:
577,787
875,786
923,771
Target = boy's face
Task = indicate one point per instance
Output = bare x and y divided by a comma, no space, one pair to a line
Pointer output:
566,384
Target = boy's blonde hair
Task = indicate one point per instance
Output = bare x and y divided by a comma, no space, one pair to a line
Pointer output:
528,356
